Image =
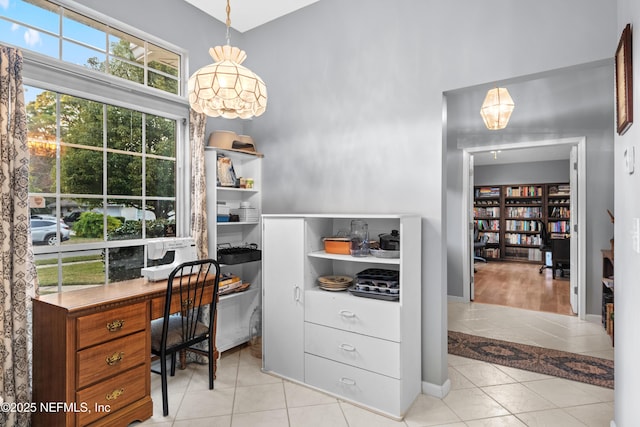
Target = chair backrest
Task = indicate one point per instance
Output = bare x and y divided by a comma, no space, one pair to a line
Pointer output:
544,235
191,288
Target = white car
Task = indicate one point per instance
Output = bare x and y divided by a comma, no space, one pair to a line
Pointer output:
43,231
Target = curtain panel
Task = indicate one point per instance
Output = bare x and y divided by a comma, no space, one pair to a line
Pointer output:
17,269
197,123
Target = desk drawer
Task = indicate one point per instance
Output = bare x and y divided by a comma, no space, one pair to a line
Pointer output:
366,316
157,304
111,358
107,325
372,354
108,396
368,388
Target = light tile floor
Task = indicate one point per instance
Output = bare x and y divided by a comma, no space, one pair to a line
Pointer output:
482,394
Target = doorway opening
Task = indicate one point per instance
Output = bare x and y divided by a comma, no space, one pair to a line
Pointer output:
576,173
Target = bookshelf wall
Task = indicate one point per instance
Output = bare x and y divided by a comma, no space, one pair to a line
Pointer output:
513,216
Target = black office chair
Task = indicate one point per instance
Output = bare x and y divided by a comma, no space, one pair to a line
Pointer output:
545,246
561,250
182,327
479,243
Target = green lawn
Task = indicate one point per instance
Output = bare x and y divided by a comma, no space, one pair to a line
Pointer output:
83,273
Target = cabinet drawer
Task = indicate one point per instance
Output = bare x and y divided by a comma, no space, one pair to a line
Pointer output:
370,389
344,311
115,393
111,358
157,304
107,325
372,354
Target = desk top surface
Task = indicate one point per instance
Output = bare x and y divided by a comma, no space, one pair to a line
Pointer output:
127,290
97,295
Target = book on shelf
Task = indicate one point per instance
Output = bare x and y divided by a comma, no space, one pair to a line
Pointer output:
560,190
559,212
522,225
559,227
522,239
487,192
524,191
488,224
523,212
491,212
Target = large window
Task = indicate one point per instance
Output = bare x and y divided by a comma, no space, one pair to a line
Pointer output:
47,28
106,159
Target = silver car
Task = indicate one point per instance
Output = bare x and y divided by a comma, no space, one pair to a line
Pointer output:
43,231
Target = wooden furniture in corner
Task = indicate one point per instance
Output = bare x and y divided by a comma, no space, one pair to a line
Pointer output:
92,354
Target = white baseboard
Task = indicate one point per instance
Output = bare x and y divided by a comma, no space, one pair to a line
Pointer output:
612,424
452,298
439,391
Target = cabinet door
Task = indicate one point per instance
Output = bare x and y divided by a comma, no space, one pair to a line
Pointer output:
282,280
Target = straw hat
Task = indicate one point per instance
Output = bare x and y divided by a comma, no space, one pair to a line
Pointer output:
229,140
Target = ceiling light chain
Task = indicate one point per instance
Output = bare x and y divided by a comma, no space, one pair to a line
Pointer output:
228,22
226,88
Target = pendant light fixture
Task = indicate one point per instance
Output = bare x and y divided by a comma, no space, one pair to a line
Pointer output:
226,88
497,108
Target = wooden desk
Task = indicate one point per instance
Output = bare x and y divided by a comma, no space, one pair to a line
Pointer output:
92,354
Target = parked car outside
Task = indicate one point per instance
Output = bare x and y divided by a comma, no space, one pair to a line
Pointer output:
43,231
46,217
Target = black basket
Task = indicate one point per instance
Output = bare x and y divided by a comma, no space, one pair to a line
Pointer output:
239,254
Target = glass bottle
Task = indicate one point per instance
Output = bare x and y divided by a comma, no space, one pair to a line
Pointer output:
359,238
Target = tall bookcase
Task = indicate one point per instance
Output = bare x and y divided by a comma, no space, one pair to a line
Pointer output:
512,216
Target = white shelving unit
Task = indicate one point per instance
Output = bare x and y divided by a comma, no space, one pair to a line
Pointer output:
235,310
363,350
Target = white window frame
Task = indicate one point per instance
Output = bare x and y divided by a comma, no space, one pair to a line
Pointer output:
48,73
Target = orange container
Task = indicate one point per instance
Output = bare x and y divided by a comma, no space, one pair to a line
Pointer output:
337,245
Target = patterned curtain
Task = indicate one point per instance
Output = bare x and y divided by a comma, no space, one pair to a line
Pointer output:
17,269
197,122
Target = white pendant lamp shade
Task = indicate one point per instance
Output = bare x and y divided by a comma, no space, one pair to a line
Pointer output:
497,108
226,88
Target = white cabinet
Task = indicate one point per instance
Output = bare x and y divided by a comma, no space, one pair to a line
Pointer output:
360,349
283,262
235,310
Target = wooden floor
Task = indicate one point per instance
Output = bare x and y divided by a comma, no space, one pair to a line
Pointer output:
520,285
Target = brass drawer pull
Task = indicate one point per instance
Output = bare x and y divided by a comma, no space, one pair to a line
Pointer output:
115,326
114,394
115,358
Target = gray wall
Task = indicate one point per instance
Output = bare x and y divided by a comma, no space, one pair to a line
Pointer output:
355,114
355,121
627,256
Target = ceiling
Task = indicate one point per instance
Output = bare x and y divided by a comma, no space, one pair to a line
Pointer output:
248,14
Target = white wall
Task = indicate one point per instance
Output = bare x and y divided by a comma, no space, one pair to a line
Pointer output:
627,259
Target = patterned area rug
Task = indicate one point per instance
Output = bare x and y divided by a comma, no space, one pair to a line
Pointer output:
586,369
